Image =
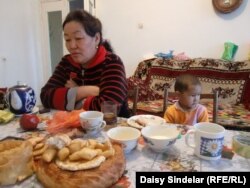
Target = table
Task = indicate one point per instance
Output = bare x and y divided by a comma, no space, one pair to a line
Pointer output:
176,158
231,116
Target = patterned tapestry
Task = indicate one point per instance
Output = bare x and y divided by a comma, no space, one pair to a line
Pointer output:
231,79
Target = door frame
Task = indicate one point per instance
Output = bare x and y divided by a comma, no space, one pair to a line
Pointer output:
89,5
50,6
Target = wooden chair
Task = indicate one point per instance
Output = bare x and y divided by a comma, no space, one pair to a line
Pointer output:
133,96
213,96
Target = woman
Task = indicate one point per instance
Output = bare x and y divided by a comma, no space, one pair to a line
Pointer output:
90,74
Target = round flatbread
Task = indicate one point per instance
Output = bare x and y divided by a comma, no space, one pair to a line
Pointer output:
108,173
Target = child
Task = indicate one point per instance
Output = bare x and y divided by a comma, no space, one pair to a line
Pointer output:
187,109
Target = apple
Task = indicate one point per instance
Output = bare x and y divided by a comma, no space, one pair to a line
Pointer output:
29,121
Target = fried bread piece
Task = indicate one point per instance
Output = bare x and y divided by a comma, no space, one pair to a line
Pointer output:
16,162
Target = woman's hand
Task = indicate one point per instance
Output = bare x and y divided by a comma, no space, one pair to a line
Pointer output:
70,83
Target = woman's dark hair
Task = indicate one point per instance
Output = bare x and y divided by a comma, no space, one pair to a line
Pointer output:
107,46
91,24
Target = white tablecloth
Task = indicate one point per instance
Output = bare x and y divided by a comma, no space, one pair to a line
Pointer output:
176,158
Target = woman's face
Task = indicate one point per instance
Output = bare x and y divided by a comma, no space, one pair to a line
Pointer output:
80,45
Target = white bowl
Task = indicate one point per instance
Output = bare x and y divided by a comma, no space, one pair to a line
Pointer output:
159,137
127,136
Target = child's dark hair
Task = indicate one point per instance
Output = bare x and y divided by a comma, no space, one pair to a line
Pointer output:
184,81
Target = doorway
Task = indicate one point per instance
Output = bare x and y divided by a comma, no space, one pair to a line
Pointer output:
53,14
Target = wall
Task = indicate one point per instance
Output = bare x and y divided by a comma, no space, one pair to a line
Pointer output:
20,50
190,26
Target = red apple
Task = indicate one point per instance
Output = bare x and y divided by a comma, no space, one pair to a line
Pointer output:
29,121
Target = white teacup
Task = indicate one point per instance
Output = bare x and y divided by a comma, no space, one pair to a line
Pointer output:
92,121
208,139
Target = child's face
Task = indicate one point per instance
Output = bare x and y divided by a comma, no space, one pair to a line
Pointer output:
190,98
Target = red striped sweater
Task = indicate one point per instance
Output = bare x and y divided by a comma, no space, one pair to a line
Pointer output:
106,71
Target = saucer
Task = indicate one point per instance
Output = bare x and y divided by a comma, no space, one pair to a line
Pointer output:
35,110
95,131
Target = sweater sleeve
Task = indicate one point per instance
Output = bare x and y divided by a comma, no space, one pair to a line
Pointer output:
113,84
169,114
54,94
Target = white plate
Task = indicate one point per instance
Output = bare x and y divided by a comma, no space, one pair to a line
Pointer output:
34,111
148,119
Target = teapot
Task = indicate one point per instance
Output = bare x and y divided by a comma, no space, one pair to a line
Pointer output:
21,99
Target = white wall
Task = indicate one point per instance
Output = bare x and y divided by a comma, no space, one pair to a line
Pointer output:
190,26
20,50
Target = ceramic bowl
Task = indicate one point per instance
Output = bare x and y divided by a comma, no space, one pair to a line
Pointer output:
128,136
159,137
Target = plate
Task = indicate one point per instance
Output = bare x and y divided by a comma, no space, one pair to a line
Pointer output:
147,119
34,111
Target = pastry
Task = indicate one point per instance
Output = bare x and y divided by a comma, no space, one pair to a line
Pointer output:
108,173
141,121
16,162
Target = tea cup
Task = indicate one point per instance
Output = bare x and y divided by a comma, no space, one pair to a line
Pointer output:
208,140
92,121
